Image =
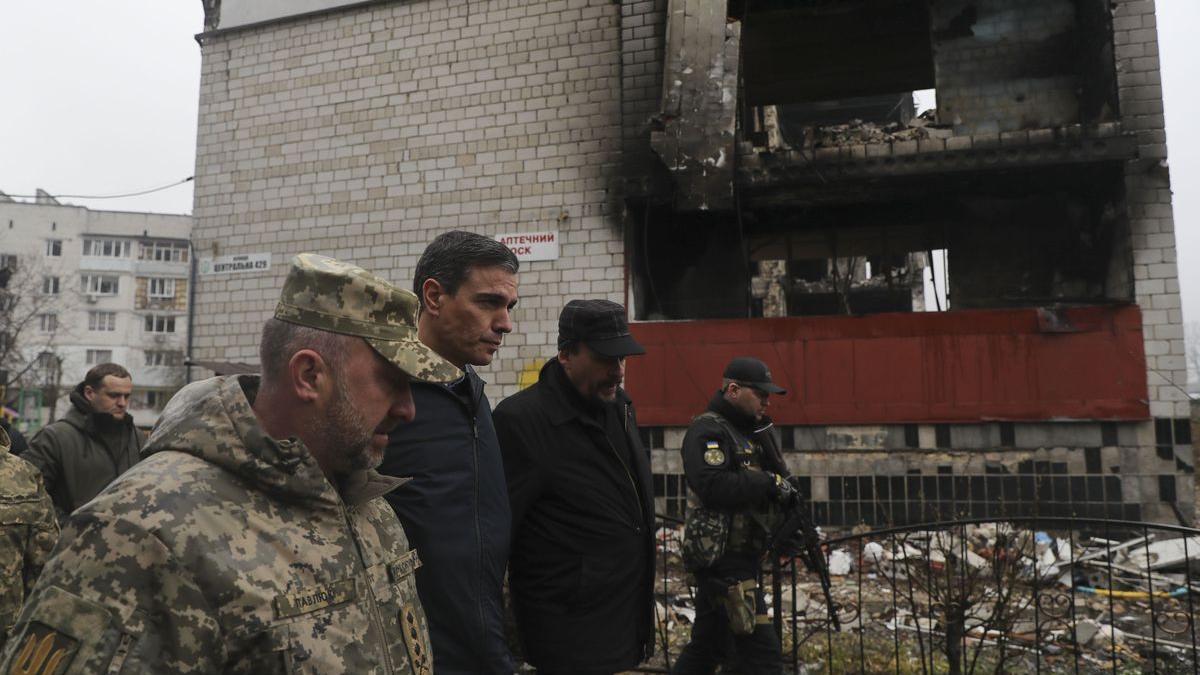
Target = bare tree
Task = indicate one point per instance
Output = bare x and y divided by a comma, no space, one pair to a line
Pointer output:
34,301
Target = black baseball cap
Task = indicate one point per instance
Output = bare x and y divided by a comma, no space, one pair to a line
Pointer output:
751,372
599,324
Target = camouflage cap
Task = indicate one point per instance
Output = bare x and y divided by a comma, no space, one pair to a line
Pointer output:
332,295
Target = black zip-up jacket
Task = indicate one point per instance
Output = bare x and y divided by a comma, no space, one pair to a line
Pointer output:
582,565
80,454
456,514
726,485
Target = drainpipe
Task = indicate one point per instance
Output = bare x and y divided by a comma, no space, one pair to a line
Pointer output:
191,313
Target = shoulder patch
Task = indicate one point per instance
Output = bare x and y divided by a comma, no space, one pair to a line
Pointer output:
44,651
713,455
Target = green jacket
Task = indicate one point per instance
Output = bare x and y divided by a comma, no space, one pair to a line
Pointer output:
78,458
228,551
28,531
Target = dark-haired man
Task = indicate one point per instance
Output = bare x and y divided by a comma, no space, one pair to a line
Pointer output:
92,444
455,509
582,565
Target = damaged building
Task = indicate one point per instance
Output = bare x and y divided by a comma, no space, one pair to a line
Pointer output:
945,224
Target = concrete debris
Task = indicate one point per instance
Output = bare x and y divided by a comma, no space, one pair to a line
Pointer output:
1167,554
1032,592
859,132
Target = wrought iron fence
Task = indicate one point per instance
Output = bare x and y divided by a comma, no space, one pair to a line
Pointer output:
976,596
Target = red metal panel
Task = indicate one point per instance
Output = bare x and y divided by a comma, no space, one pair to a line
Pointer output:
963,366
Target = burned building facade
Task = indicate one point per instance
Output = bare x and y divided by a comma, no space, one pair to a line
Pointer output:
946,224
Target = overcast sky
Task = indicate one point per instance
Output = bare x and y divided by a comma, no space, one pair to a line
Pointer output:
99,98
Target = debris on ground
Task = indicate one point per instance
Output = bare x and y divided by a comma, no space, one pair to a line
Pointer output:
1036,594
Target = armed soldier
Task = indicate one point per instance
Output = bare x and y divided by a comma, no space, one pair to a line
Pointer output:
254,537
734,467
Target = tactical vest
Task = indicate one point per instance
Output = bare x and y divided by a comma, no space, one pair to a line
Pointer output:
749,529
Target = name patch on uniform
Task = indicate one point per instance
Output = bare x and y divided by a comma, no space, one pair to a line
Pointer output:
404,566
311,599
44,651
713,455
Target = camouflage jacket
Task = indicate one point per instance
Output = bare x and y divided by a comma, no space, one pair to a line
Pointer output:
28,531
226,551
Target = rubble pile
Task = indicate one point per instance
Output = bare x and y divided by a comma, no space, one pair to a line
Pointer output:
858,132
1011,597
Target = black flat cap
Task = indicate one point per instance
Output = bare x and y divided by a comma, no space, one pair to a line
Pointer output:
751,372
599,324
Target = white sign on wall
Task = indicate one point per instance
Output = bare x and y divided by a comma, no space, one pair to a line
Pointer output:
236,264
531,246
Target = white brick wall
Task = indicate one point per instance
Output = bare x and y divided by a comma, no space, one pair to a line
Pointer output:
1148,191
363,134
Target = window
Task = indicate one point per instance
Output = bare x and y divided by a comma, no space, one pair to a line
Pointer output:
164,358
101,284
671,488
8,261
162,288
54,248
157,400
164,251
49,285
48,323
106,248
98,356
157,323
102,321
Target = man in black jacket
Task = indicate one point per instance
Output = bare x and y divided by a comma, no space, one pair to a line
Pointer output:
455,510
734,467
96,441
582,566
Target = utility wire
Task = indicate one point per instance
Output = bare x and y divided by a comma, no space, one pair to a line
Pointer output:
120,196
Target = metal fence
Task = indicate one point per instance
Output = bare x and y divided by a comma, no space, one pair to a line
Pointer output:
975,596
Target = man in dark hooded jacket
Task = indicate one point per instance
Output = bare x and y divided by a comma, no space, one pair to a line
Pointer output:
96,441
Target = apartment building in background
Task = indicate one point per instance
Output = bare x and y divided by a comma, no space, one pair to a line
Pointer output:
84,287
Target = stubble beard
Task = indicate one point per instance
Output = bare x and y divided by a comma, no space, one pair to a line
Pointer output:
346,432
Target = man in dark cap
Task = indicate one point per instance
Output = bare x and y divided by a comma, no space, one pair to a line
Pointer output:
736,472
581,569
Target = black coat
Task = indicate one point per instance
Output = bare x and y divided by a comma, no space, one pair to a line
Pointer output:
582,567
726,485
455,513
80,454
714,463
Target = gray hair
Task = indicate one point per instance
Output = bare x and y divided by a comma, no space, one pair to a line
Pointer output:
449,258
281,340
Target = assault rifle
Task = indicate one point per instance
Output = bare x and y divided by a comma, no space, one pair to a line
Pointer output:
798,536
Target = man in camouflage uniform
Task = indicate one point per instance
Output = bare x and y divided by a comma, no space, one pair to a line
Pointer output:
28,530
733,466
253,537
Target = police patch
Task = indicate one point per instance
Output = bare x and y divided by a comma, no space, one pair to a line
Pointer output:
45,651
713,455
